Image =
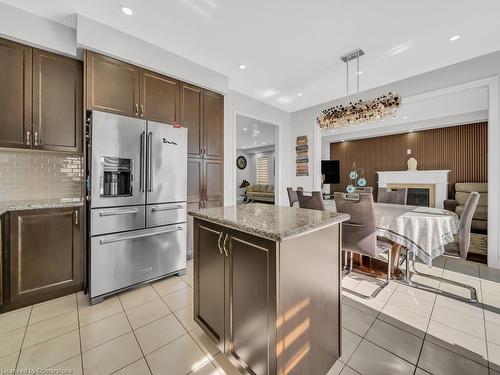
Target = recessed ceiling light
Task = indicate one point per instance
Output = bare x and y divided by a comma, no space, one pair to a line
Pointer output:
243,66
243,146
410,131
343,140
359,73
405,117
454,37
244,129
299,94
126,10
263,143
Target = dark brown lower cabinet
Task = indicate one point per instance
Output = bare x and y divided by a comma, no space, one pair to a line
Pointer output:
45,254
271,307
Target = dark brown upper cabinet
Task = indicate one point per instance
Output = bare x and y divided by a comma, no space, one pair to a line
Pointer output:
192,117
45,254
213,124
159,98
112,85
57,102
15,94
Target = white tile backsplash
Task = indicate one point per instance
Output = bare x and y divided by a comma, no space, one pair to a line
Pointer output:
40,175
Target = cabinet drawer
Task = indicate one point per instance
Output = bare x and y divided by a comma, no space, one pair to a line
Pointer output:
164,214
112,220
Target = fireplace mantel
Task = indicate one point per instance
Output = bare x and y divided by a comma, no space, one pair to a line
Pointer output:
437,178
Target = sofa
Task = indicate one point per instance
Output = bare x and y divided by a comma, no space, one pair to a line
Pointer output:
462,191
260,193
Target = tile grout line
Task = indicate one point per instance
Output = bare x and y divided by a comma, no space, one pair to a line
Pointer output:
24,336
484,323
79,332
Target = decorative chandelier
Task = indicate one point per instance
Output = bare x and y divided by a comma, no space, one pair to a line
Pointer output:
359,111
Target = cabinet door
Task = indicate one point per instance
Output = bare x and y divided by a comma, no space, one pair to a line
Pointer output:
250,302
209,279
213,124
214,183
159,98
112,85
191,117
194,194
15,94
45,252
57,102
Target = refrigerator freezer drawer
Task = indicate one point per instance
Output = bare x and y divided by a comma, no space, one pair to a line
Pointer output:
117,219
165,214
122,260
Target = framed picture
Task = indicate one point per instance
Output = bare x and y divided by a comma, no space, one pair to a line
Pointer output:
241,162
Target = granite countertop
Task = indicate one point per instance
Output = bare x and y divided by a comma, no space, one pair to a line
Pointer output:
276,223
35,204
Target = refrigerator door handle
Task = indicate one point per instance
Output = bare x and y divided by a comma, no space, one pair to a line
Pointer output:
104,241
150,161
142,167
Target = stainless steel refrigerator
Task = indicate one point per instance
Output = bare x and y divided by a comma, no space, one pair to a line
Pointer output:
137,192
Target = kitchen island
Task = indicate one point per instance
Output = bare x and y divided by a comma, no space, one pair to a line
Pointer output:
267,286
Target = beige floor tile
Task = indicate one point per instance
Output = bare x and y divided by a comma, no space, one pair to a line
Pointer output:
370,306
14,319
11,341
47,329
371,359
458,341
419,371
492,332
491,301
438,360
463,306
159,333
52,308
9,362
91,314
179,299
207,368
83,300
462,267
417,293
111,356
177,358
169,285
472,324
348,371
147,312
139,367
138,296
411,303
356,321
336,368
224,366
406,320
456,291
494,355
104,330
185,315
204,341
50,352
489,274
350,342
350,281
73,364
395,340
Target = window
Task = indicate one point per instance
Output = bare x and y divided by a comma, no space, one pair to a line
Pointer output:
262,170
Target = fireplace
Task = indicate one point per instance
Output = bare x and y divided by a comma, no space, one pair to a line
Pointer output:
419,197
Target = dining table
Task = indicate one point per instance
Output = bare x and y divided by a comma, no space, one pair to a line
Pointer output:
423,231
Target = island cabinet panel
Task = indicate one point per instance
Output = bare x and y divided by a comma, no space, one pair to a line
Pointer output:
45,254
112,85
159,98
57,102
15,94
210,282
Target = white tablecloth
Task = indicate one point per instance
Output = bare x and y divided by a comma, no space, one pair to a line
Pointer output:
422,230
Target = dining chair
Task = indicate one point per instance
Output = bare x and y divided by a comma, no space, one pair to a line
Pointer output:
312,202
292,195
359,233
366,190
458,248
394,196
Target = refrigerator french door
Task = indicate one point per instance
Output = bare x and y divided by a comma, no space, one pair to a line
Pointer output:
138,202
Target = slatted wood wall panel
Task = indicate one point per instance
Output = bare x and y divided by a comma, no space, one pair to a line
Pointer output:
461,149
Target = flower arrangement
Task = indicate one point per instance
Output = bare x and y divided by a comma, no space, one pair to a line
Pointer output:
356,178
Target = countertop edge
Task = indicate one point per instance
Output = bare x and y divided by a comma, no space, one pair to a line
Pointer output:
9,207
278,237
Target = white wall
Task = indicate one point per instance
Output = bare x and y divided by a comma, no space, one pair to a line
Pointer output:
239,104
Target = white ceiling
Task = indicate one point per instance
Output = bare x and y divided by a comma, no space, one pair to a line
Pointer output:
292,46
251,133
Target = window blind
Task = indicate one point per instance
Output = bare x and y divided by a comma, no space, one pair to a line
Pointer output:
262,170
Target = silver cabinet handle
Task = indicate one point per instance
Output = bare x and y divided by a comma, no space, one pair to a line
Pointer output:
76,217
156,209
37,143
142,167
218,242
150,161
104,241
142,110
115,213
137,109
28,138
224,244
